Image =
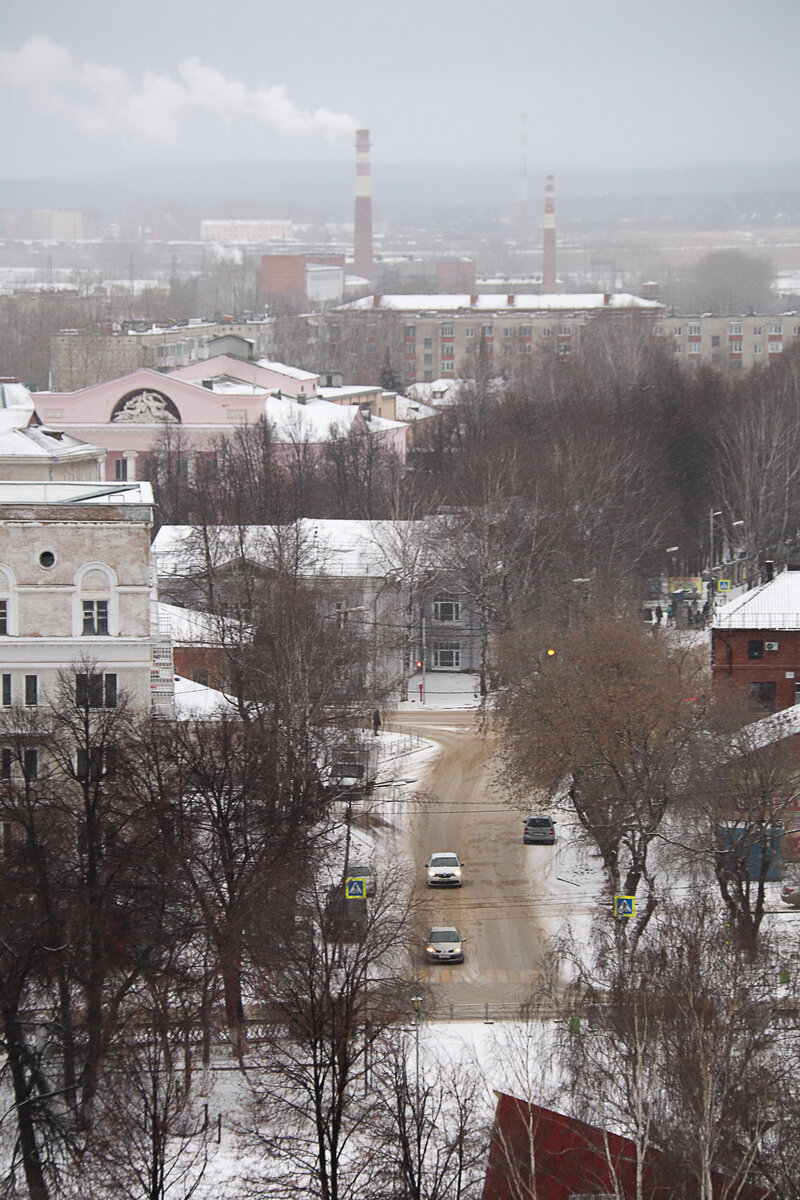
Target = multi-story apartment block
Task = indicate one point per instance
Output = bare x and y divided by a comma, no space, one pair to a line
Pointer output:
78,597
82,358
431,336
733,343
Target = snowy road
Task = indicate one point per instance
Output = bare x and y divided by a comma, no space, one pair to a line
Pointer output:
458,806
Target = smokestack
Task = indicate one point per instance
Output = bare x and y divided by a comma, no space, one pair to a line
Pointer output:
362,249
549,256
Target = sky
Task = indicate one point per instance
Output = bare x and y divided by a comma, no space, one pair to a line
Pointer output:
86,87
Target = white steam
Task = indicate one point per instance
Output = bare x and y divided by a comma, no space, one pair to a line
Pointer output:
101,100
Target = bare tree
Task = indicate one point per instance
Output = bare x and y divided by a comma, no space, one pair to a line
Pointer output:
604,715
329,1006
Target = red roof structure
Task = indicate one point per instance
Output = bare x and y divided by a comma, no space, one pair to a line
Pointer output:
539,1154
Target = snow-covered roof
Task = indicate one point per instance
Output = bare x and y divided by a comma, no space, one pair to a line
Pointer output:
290,372
186,626
315,419
440,391
43,443
16,406
349,549
489,302
409,409
193,701
773,605
24,492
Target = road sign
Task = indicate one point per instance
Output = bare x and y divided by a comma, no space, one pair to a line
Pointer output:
624,906
723,585
355,888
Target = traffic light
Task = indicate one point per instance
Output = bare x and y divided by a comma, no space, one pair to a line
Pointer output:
551,652
419,664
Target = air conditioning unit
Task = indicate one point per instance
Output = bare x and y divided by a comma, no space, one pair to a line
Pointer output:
770,645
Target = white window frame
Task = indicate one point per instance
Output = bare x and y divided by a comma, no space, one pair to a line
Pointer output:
447,656
445,603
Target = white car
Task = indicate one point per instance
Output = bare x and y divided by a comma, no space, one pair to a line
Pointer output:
445,944
444,869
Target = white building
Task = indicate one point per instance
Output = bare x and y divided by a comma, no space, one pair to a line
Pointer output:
77,588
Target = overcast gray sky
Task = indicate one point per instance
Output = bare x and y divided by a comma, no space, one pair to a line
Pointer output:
86,86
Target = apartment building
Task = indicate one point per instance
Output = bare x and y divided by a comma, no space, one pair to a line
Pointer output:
82,358
431,336
733,343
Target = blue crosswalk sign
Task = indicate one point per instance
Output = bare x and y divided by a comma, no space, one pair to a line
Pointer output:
355,888
624,906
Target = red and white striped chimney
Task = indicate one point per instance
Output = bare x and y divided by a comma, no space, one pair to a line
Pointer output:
362,249
549,255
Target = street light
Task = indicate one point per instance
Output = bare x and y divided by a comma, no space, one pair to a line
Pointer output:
712,514
417,1002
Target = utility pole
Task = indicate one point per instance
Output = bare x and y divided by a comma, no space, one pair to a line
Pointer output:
417,1002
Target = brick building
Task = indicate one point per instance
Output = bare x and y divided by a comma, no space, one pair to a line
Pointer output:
755,642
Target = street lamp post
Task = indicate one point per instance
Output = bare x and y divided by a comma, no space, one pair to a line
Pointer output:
417,1002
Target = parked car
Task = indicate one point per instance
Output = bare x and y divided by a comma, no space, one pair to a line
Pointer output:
444,944
363,870
444,869
790,894
539,830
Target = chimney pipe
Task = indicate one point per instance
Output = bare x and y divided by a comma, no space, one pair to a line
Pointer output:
362,242
549,255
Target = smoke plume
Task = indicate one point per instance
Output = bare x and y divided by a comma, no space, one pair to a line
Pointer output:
102,100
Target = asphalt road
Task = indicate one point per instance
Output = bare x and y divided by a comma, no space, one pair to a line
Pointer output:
458,806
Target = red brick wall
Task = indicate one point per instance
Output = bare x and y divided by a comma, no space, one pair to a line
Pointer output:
731,661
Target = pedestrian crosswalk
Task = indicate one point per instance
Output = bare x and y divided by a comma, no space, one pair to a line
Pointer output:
461,975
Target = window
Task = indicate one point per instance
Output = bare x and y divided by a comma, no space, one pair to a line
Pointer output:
776,329
715,341
677,331
565,331
775,347
763,693
469,332
95,618
409,331
95,691
428,343
447,351
735,347
3,618
735,328
525,330
31,690
755,649
121,469
693,347
447,331
6,691
487,330
757,330
30,762
5,762
795,330
658,330
427,360
508,332
446,608
694,331
447,655
546,331
447,365
89,765
758,348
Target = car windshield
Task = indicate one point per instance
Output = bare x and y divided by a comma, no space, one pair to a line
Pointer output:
538,821
444,860
444,935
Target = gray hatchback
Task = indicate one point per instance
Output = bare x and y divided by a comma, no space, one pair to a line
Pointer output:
540,831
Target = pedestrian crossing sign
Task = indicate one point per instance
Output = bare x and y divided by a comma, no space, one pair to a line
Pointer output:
355,888
624,906
723,585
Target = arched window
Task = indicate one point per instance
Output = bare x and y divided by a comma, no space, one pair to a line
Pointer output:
9,611
95,610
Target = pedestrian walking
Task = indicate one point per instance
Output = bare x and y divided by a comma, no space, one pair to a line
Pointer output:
376,723
659,614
